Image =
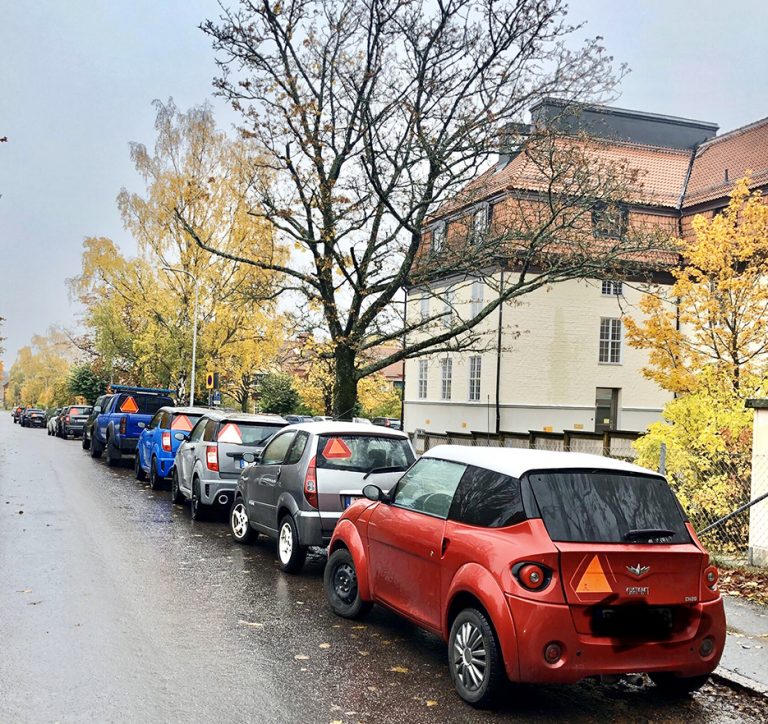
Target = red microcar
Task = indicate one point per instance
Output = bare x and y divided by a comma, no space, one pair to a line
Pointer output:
539,566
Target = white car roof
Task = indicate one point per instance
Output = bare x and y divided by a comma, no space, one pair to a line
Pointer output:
518,461
342,428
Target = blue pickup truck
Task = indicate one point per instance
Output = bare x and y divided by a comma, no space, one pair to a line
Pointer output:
117,429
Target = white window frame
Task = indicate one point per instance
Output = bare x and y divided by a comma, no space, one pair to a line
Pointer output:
446,378
475,370
612,288
449,309
423,379
478,231
476,298
424,307
610,342
439,233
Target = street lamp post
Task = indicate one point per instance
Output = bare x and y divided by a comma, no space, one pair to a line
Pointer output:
194,334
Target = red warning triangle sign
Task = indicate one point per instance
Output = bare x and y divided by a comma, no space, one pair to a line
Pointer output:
336,449
593,580
129,405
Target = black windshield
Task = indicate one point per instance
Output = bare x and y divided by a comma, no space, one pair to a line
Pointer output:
603,506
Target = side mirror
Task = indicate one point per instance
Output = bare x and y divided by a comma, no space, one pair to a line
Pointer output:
180,436
375,493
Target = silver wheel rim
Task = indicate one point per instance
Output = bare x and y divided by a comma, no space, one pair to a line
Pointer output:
285,544
470,656
239,521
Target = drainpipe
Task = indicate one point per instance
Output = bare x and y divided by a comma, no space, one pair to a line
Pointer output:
498,354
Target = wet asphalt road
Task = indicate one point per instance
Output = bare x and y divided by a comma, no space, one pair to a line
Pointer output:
115,606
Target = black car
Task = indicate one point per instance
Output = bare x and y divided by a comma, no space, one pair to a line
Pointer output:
96,410
71,420
33,417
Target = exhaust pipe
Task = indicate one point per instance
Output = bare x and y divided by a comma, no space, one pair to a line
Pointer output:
223,499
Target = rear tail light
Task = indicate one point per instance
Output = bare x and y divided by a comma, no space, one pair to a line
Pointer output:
212,458
532,576
66,419
166,442
123,425
711,577
310,483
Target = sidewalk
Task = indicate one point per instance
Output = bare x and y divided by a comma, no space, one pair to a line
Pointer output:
745,659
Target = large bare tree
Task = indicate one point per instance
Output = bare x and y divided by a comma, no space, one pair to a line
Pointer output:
372,117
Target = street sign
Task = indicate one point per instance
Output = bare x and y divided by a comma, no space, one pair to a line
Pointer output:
209,380
216,398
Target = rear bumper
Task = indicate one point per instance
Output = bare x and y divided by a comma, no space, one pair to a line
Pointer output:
164,466
210,490
586,655
73,429
310,528
127,445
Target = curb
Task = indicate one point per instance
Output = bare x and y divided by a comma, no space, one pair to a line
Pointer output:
741,682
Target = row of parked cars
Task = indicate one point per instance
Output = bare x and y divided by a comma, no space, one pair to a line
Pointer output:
533,566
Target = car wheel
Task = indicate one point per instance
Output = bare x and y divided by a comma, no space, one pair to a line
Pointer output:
155,481
474,658
177,496
238,523
113,454
137,469
86,442
674,686
96,449
199,511
290,552
340,581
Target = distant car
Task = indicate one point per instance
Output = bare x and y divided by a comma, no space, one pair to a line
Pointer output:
71,420
90,423
52,418
393,422
322,418
209,462
17,413
536,566
33,417
160,440
292,419
306,476
362,420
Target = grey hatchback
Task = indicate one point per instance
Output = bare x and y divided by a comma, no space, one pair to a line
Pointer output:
210,460
307,476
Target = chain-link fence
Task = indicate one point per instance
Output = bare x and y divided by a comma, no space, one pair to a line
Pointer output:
728,511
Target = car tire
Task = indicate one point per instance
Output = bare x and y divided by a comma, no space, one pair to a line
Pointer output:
198,509
155,481
340,582
113,454
238,523
472,637
86,442
138,471
177,497
678,686
290,552
96,449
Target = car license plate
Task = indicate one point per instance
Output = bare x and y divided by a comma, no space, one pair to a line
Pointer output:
242,463
349,499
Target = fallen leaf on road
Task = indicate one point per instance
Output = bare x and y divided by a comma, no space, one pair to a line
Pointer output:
301,657
255,624
359,627
25,590
325,646
430,702
399,669
363,653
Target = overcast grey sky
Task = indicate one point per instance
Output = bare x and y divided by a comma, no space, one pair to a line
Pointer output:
77,78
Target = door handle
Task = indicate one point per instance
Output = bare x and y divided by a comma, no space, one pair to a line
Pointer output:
444,547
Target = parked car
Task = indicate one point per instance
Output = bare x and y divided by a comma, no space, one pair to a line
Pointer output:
544,567
33,417
52,418
293,419
322,418
71,420
128,411
306,476
160,440
90,423
209,462
17,413
392,422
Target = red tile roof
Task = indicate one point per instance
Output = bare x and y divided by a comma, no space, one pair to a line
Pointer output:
739,151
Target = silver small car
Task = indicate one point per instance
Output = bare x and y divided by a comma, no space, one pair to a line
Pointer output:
209,462
307,475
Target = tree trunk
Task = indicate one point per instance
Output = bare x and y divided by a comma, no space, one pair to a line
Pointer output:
345,384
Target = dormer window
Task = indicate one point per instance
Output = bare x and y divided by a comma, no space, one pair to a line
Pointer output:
609,221
480,223
438,236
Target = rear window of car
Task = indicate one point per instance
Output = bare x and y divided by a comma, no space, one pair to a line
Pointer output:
254,434
184,422
141,404
362,453
600,506
79,410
